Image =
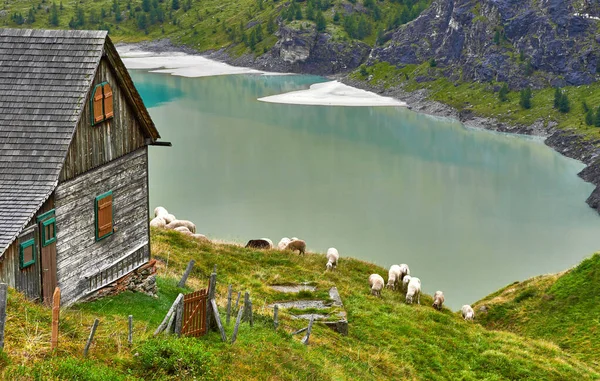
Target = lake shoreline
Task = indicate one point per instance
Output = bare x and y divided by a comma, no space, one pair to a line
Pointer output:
566,143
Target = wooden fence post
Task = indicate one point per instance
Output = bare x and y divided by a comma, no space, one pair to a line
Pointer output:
275,317
237,302
55,317
237,325
179,321
3,299
310,324
90,338
212,285
186,274
228,304
130,335
167,318
250,313
245,316
213,304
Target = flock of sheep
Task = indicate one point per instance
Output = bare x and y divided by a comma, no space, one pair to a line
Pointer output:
398,276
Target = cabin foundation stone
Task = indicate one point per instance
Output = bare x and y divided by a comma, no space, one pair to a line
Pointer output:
141,280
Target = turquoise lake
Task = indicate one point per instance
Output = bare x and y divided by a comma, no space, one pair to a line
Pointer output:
468,210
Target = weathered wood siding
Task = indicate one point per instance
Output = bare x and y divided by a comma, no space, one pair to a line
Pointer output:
93,146
78,252
27,280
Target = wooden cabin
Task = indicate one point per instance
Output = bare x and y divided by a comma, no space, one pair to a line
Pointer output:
74,137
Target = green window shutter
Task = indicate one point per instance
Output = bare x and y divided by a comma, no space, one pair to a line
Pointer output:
48,232
103,208
27,253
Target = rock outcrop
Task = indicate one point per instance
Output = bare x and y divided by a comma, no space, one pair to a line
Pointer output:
524,43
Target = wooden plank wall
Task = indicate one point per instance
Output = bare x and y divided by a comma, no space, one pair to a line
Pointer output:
96,145
27,280
78,253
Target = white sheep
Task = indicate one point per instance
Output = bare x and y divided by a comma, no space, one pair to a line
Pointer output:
332,258
158,222
297,244
414,289
177,223
159,211
376,283
404,271
184,230
200,237
438,300
283,243
393,277
467,312
169,218
405,282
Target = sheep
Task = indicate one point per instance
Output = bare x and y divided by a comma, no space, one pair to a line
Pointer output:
332,258
376,282
467,312
414,289
258,244
200,237
269,241
297,245
177,223
438,300
393,277
159,211
169,218
283,243
158,222
184,230
405,282
404,271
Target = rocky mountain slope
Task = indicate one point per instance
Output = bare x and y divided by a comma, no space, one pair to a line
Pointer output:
522,42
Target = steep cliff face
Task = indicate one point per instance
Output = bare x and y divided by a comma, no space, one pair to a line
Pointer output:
522,42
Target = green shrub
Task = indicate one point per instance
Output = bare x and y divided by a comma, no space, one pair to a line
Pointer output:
525,100
503,93
589,118
176,356
432,62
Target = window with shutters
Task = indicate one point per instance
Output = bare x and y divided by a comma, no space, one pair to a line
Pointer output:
48,232
104,215
101,103
27,253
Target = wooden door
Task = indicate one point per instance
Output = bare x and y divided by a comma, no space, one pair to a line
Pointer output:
47,241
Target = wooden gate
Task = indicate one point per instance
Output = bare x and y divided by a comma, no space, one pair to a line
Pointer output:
194,313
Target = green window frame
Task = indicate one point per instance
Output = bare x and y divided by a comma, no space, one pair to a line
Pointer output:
47,241
97,216
22,247
48,214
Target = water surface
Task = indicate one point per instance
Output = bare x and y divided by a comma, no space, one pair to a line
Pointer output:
469,210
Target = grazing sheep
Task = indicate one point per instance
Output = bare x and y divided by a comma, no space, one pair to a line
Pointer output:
393,277
298,244
295,239
414,289
332,258
200,237
438,300
467,312
283,243
404,271
258,244
376,282
169,218
177,223
405,282
184,230
159,211
270,242
158,222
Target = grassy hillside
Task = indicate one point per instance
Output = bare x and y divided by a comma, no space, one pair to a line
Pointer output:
562,308
387,338
483,99
214,24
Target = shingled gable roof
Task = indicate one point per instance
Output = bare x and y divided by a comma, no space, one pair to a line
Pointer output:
45,76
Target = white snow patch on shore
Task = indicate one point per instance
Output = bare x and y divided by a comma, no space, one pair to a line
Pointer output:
333,93
180,64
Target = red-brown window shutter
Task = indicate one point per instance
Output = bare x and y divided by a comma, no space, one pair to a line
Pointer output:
97,106
105,217
108,101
